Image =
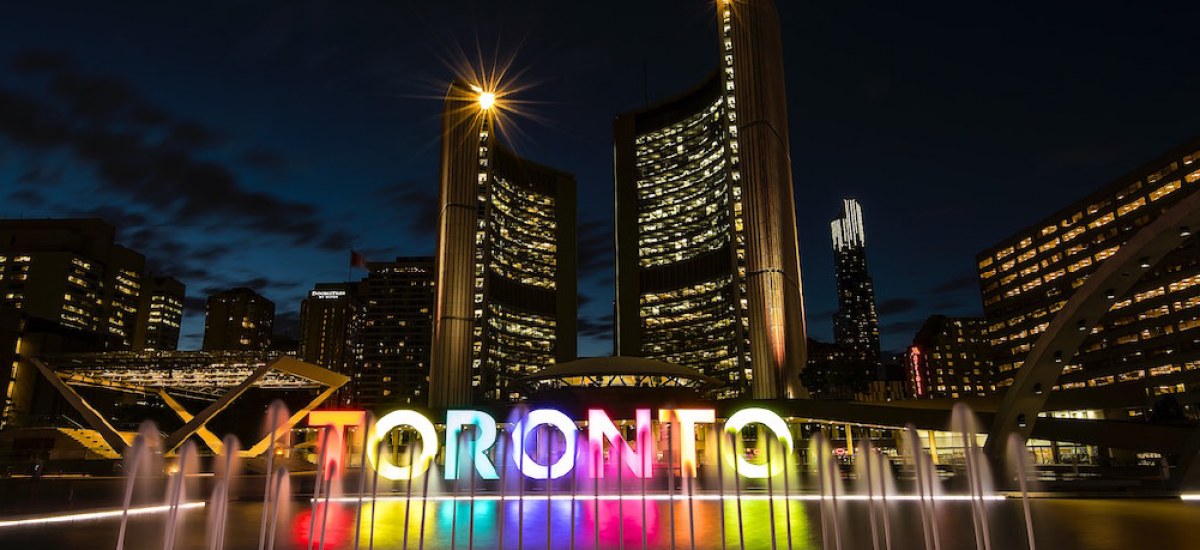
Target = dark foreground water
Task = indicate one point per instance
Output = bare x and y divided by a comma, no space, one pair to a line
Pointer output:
1058,523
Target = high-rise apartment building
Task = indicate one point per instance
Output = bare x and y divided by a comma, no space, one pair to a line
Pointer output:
506,265
950,357
238,320
855,325
331,331
1146,347
396,304
71,272
708,270
160,315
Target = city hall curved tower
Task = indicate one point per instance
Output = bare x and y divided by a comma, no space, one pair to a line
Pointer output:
708,269
506,267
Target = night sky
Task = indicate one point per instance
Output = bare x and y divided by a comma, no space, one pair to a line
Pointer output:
254,143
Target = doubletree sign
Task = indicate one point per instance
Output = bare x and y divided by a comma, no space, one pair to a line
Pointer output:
600,427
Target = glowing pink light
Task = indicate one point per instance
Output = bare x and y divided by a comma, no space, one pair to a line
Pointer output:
601,427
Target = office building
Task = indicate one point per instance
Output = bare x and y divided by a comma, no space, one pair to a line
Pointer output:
331,332
73,273
855,325
950,357
395,303
506,266
1146,348
708,270
160,315
238,320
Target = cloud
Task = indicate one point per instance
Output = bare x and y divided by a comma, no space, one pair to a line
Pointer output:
419,200
287,323
195,304
961,283
907,328
257,284
41,175
41,60
897,305
122,219
145,155
264,159
825,314
597,248
26,196
600,328
208,253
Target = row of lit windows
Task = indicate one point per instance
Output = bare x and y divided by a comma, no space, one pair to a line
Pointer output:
1104,219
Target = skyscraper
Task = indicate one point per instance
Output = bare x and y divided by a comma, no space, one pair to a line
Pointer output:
160,315
397,334
506,266
330,332
238,320
708,270
71,272
1145,349
950,357
855,325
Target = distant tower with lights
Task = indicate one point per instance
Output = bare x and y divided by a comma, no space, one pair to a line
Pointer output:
506,267
708,268
856,324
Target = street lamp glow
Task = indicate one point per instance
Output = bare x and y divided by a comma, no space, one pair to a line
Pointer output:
487,100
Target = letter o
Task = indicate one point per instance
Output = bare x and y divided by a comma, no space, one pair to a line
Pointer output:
774,423
391,421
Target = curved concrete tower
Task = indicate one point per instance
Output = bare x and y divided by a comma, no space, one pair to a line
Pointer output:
506,268
708,267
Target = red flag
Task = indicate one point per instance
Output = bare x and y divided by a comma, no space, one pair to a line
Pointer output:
357,260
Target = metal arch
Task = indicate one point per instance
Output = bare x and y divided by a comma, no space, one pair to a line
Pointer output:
197,424
1110,282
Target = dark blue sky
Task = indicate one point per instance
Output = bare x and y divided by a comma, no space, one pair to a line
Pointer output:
252,143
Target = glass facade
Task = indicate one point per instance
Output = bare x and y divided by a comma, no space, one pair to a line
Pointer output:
950,358
856,324
517,273
164,314
707,259
1146,343
506,269
395,329
686,213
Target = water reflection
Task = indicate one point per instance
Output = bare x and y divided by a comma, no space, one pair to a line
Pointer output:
1061,523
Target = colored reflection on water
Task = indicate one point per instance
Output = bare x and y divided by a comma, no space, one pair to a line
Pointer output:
538,524
1060,523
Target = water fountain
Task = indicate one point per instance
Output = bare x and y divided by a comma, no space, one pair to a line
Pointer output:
277,414
137,460
176,493
1024,466
220,499
851,507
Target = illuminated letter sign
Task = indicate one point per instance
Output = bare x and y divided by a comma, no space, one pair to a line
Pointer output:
600,427
484,437
391,421
688,418
525,463
773,422
335,423
483,432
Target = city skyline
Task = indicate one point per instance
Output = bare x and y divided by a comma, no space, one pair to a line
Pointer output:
219,114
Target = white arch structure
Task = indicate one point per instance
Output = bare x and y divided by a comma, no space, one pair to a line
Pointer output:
1087,307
